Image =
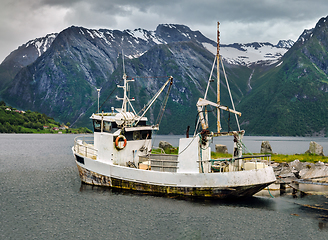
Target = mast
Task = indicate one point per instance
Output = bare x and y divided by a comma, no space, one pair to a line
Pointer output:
125,87
218,77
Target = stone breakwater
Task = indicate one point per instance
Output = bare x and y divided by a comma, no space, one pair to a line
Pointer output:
296,170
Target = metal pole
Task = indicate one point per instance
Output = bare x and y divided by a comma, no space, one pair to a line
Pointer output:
218,77
98,90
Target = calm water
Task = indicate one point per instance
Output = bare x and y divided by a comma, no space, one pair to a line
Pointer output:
41,197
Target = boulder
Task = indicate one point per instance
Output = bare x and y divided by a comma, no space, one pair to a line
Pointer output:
312,171
297,165
219,148
315,148
164,145
319,163
301,170
266,147
284,170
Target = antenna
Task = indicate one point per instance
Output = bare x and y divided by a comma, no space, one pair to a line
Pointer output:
125,87
98,90
123,63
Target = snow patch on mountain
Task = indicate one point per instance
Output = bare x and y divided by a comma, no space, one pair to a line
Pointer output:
137,41
147,36
306,35
285,44
240,54
42,44
279,64
252,53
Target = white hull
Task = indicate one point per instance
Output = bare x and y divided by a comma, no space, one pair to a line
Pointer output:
216,185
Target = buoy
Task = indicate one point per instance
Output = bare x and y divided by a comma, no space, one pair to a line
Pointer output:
117,145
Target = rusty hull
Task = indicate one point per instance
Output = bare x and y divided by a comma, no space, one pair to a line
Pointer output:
93,178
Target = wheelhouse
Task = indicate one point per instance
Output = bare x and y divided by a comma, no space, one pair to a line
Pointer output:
110,123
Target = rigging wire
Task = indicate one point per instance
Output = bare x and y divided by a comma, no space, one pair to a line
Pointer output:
197,120
194,137
120,82
227,122
110,94
151,101
228,87
233,105
210,77
208,85
161,113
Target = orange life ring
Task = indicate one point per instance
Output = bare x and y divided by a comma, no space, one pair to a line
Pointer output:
117,140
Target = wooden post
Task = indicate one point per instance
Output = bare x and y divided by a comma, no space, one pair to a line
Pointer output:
282,188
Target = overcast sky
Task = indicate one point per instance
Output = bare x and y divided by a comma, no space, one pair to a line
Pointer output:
242,21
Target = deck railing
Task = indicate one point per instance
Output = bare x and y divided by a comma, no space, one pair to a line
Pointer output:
160,162
242,163
84,145
169,163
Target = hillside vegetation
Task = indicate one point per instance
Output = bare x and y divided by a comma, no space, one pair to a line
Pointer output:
290,99
16,121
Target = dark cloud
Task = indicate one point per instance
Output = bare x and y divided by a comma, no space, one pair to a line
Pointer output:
241,21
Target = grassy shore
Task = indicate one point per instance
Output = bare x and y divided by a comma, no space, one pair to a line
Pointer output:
283,157
274,157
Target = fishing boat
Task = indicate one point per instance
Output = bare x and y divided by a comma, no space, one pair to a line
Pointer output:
119,154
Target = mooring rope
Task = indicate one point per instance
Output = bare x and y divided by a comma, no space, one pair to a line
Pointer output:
269,192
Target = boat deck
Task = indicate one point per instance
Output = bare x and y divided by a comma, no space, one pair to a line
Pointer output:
169,162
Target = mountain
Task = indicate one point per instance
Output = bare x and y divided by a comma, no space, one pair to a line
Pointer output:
60,79
23,56
291,97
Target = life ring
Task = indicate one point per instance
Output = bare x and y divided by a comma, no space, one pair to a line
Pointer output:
117,141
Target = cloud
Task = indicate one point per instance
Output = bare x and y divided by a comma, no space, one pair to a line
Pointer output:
255,20
21,21
241,21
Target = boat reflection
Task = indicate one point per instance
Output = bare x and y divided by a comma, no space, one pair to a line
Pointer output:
313,204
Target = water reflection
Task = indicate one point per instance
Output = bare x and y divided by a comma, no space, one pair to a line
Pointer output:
294,203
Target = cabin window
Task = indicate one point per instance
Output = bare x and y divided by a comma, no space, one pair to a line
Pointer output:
146,134
142,123
97,125
107,127
129,135
136,135
114,127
